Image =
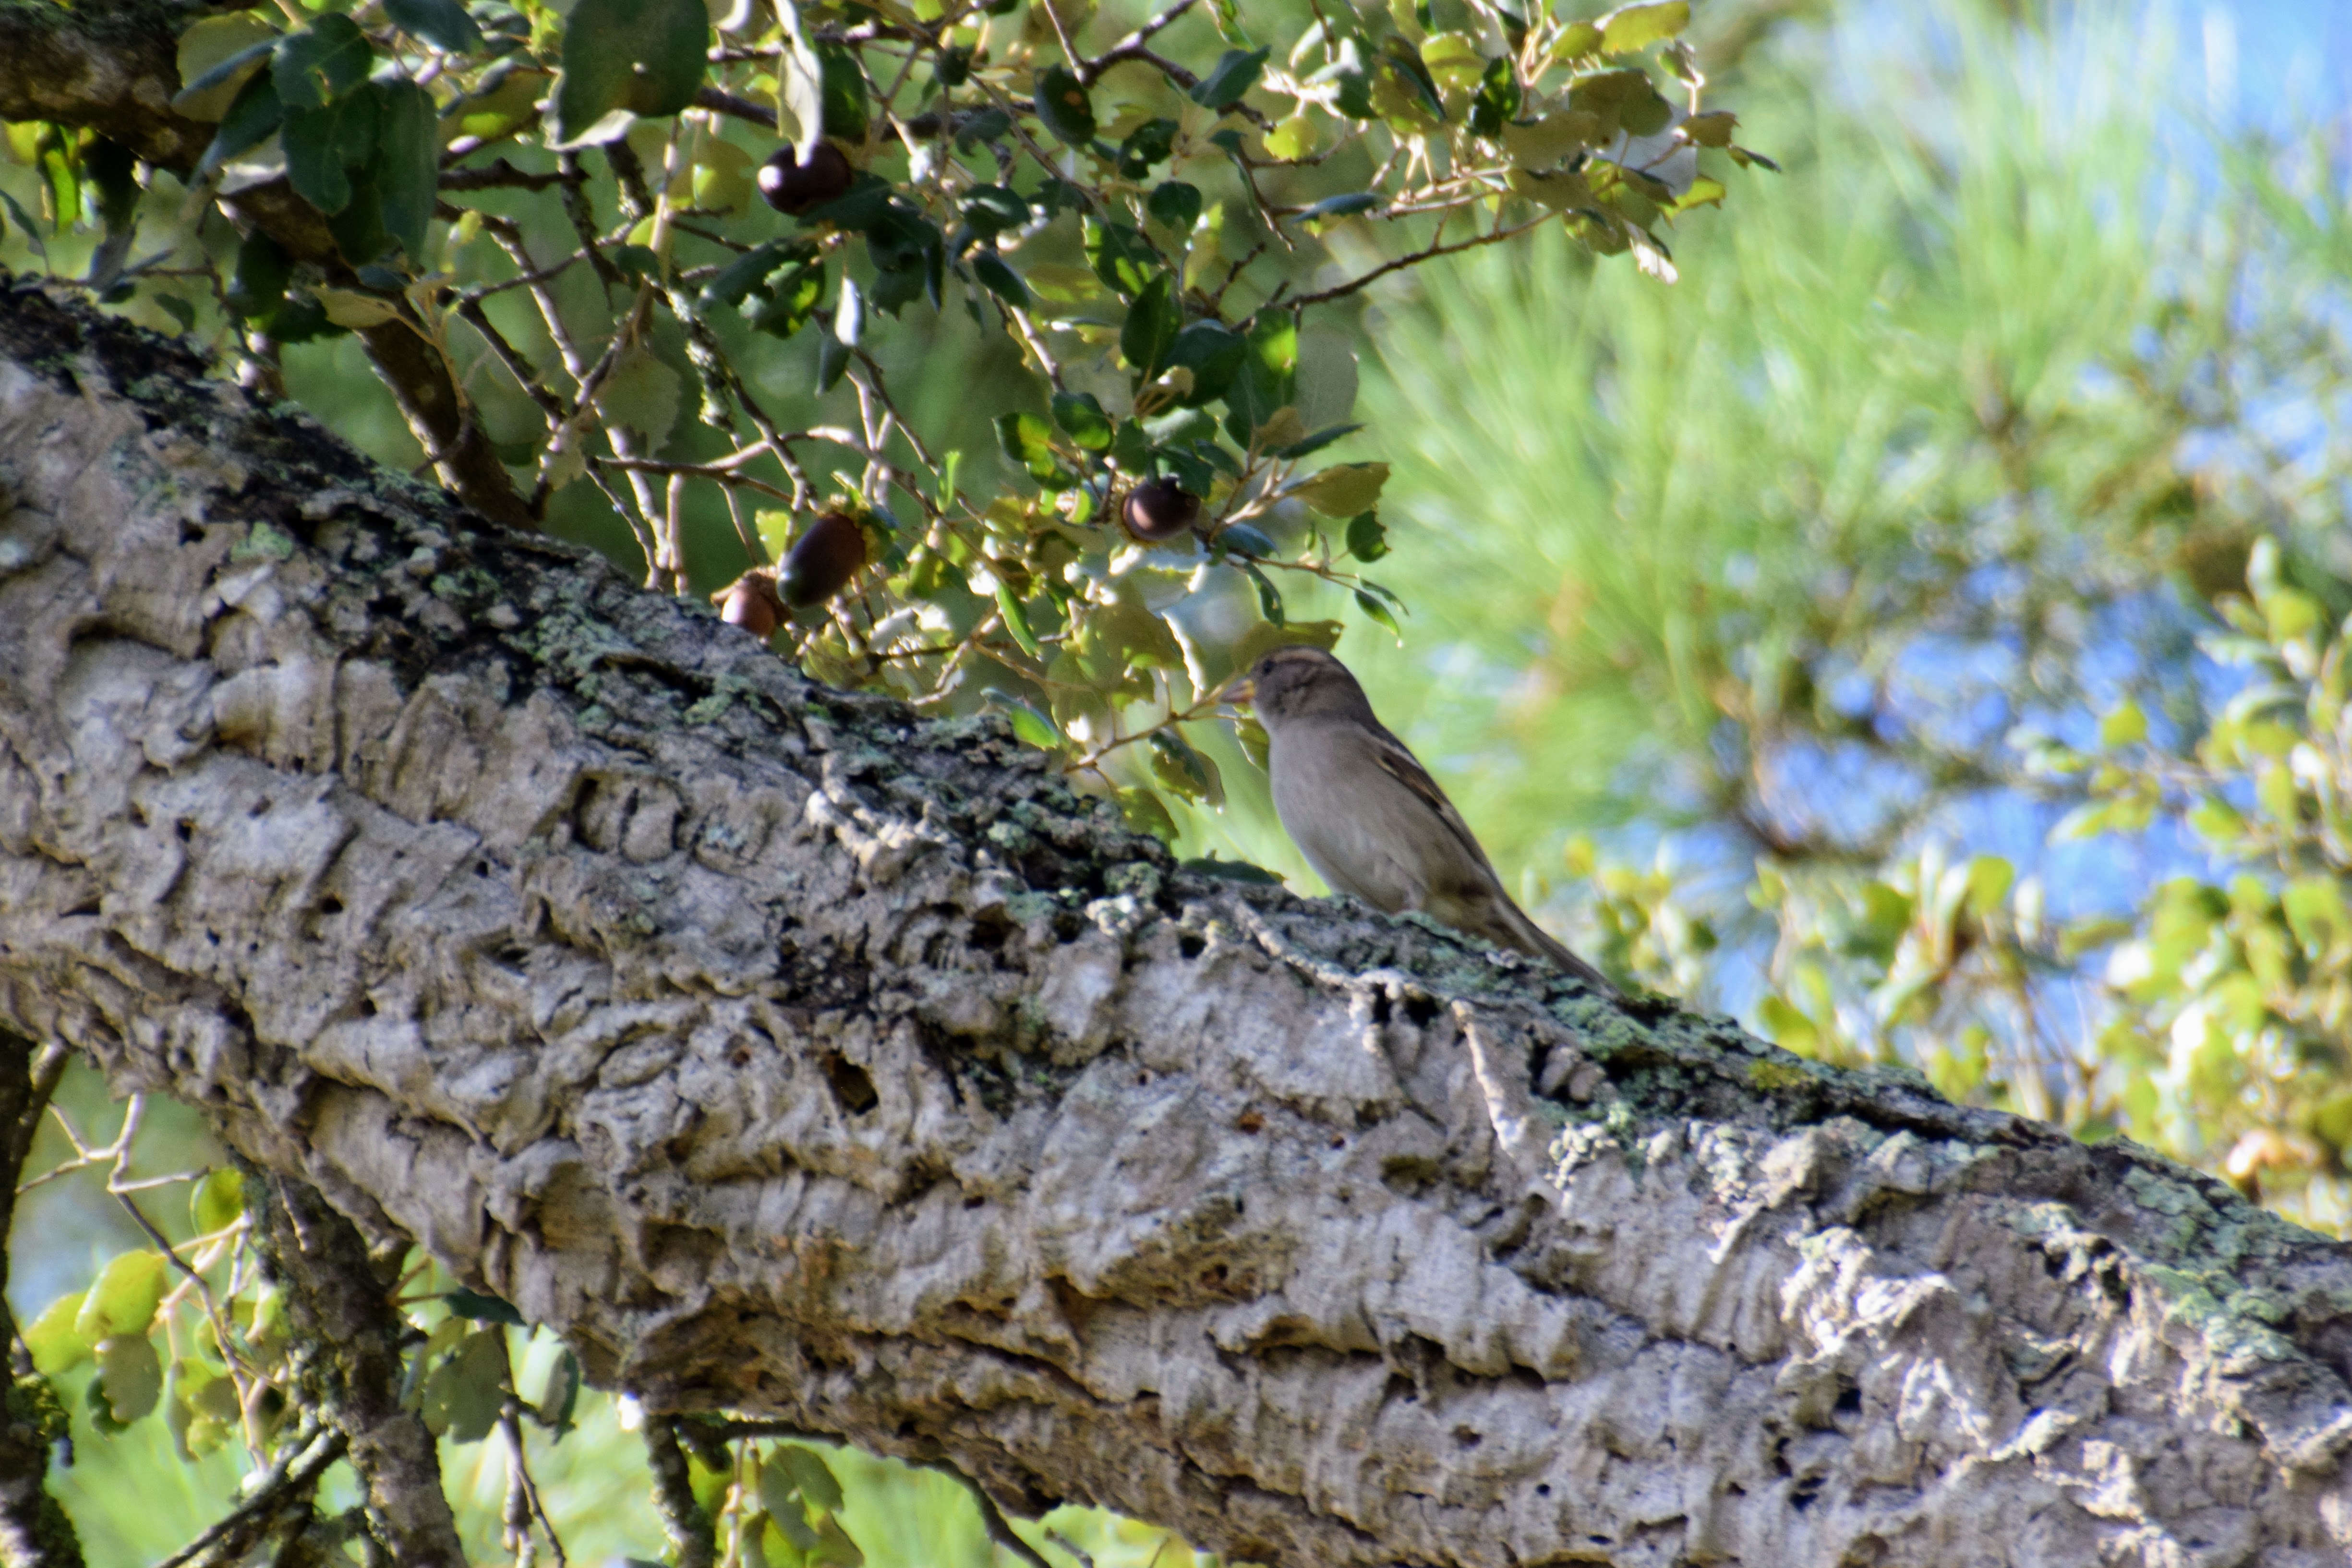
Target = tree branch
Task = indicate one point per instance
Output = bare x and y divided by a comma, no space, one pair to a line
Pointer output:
790,1055
348,1336
34,1531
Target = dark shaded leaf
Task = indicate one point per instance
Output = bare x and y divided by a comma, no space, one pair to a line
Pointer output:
1241,538
441,23
1231,872
1497,102
832,361
1235,72
407,163
1016,620
1081,417
992,209
1346,205
1368,538
1027,440
1148,143
1317,441
996,274
646,55
314,157
1379,611
1150,327
1176,204
1062,106
1121,257
313,68
1213,352
1269,601
481,1308
252,119
845,97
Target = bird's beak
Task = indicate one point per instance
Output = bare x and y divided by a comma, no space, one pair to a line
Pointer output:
1238,692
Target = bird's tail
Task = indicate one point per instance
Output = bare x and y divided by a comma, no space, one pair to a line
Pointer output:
1537,943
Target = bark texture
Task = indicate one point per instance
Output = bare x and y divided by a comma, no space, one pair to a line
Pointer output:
789,1054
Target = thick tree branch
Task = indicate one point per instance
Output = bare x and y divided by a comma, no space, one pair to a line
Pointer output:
789,1055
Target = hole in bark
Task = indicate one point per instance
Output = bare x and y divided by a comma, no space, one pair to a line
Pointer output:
1192,946
850,1084
1399,1386
1467,1438
330,905
1801,1496
481,868
1543,1488
1381,1008
87,907
740,1057
1422,1010
1214,1277
1248,1121
1848,1402
191,534
186,828
977,1200
367,1008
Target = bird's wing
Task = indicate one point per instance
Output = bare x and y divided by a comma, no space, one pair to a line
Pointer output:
1400,765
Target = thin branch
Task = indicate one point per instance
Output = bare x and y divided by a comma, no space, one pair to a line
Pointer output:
294,1476
1429,253
693,1537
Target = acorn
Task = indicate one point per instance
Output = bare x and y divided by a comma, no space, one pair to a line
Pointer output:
822,561
750,602
1158,510
796,187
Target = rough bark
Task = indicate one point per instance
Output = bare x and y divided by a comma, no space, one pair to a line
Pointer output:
339,1303
34,1531
113,68
789,1054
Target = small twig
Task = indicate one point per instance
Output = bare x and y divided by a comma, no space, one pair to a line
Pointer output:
297,1469
693,1538
1428,253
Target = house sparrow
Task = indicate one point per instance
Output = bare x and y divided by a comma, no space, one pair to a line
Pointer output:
1367,815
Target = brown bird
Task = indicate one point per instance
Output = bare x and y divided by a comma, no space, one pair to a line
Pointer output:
1367,815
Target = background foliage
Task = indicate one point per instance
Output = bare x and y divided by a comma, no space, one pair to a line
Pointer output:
1919,630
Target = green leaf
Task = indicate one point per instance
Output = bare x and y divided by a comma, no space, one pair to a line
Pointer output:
1343,489
406,169
474,1305
1213,352
313,68
1148,143
1498,99
996,274
1317,441
1241,538
1120,255
1235,72
1082,416
440,23
123,1297
130,1373
992,209
1016,620
734,282
785,305
811,1474
558,1396
1379,611
1146,812
1367,540
1175,203
258,287
832,361
646,57
846,96
1269,601
1149,330
251,120
1177,767
216,1201
314,157
2126,725
57,1344
1637,26
1062,106
1033,727
1027,440
462,1396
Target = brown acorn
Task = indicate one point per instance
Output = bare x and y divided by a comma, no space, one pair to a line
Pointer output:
794,187
1158,509
750,602
822,561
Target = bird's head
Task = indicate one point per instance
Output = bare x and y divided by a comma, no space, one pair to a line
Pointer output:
1299,681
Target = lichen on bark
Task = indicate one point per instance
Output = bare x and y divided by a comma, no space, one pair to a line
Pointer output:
789,1054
